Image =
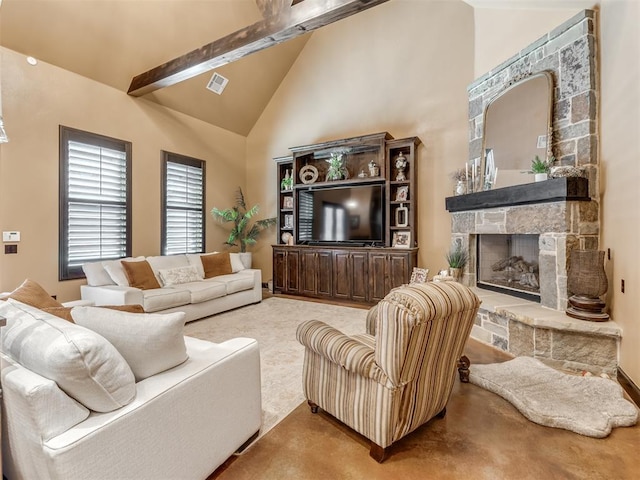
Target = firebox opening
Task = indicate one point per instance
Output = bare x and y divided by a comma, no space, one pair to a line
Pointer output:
508,263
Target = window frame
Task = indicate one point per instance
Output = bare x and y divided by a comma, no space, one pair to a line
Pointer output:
67,134
177,158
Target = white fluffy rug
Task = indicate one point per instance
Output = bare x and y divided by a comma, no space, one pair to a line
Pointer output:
273,324
591,406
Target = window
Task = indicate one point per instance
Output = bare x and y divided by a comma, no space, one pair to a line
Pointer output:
95,207
182,204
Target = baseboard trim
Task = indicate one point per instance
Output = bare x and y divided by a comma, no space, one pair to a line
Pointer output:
631,388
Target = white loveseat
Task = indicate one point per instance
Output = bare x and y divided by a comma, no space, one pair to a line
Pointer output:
107,284
180,423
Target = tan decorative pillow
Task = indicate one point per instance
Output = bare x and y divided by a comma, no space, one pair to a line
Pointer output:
216,264
33,294
65,312
140,275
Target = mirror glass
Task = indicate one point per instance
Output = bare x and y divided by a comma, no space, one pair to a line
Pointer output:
517,127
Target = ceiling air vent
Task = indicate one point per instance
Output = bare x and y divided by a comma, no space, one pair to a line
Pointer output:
217,83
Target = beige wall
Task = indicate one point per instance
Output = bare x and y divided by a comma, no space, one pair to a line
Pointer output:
501,33
620,169
619,43
401,67
38,99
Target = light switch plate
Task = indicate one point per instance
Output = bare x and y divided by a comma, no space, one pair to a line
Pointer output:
10,236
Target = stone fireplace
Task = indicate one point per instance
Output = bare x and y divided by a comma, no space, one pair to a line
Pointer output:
540,222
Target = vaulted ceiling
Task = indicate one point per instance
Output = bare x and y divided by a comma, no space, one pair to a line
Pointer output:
112,41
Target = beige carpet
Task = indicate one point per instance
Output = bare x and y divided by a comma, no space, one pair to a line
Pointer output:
273,324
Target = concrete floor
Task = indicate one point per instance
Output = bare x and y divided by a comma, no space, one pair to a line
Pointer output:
482,437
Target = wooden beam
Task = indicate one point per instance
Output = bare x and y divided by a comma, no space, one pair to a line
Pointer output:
271,8
289,23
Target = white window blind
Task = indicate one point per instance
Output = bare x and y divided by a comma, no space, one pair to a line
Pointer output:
183,229
94,210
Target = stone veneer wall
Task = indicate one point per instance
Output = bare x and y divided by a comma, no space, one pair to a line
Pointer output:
569,54
514,325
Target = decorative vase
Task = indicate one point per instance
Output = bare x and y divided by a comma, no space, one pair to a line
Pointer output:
374,171
401,165
456,273
461,188
245,258
587,281
540,177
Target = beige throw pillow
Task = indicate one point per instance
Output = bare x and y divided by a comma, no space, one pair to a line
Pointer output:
150,342
83,364
179,275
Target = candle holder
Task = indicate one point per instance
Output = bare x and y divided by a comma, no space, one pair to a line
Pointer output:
587,281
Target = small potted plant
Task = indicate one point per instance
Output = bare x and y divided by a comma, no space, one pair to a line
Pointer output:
457,259
337,168
541,168
241,233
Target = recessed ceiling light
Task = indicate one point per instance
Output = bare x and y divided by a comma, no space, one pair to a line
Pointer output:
32,61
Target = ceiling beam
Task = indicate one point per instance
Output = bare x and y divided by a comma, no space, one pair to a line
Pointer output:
270,8
288,23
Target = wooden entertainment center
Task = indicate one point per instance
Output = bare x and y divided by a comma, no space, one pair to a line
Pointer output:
347,218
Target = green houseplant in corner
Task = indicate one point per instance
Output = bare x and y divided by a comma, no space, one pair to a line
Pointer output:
457,259
242,233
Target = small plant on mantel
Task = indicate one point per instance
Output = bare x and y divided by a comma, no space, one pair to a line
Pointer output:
541,166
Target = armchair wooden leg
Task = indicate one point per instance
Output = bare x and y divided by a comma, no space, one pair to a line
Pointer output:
313,406
463,368
377,452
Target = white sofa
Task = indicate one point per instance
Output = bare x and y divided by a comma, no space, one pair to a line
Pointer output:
108,285
180,423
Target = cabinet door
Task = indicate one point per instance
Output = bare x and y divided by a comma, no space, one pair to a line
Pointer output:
341,275
378,284
398,269
293,271
279,270
324,274
308,273
359,272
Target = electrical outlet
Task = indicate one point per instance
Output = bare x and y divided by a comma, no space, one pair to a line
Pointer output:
622,285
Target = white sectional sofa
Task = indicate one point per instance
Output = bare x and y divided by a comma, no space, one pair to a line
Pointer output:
72,409
107,284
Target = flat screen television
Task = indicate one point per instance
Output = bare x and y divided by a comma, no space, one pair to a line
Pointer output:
345,214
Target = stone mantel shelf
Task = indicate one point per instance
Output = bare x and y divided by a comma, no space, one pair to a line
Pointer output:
552,190
535,315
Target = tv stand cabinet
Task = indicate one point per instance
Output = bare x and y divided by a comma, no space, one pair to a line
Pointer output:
345,272
354,274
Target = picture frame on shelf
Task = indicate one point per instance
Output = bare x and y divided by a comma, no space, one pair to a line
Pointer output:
287,202
419,275
401,239
288,221
402,194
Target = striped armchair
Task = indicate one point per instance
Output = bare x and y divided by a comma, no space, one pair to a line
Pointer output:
386,383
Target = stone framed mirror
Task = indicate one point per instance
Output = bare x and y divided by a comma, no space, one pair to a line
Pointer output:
517,127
